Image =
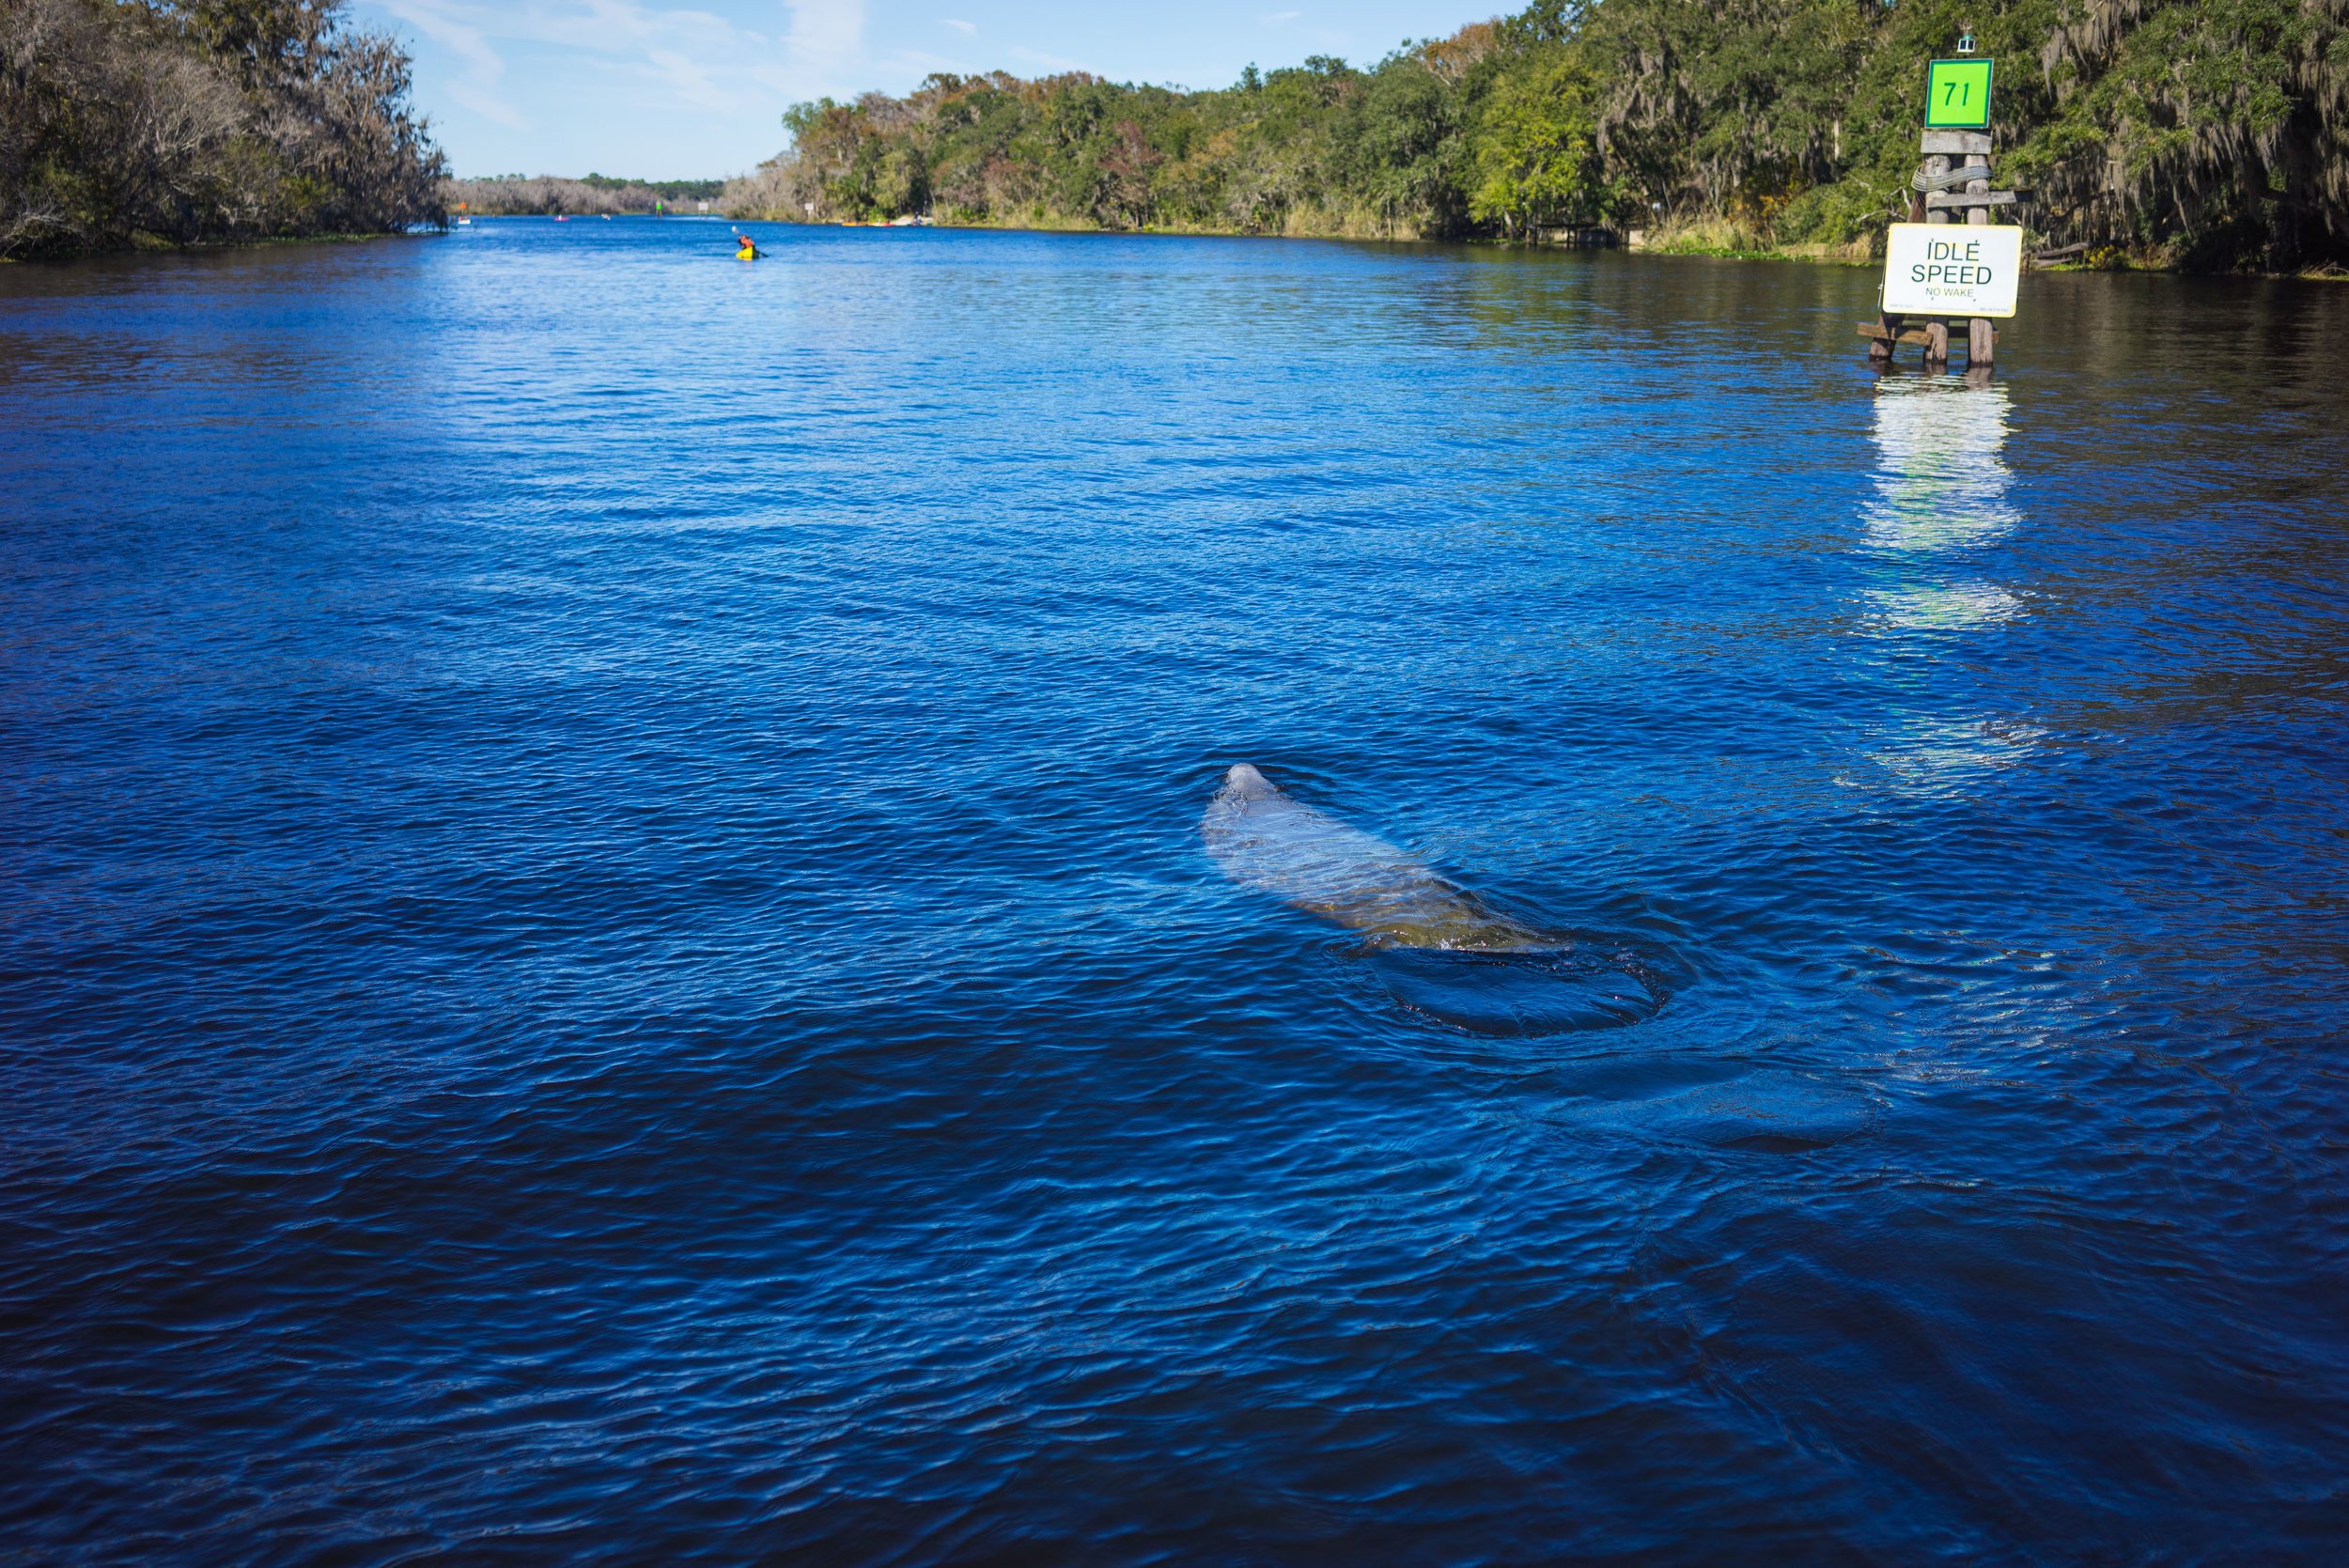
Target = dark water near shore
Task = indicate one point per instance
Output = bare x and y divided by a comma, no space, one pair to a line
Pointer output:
606,954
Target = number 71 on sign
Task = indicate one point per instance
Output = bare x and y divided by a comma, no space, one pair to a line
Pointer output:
1957,95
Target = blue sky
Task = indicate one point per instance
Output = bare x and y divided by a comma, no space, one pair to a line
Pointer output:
656,90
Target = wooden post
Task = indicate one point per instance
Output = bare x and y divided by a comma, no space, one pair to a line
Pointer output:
1936,332
1937,167
1981,337
1957,130
1880,350
1955,178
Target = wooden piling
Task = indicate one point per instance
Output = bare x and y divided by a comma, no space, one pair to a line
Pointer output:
1955,178
1880,347
1937,332
1980,339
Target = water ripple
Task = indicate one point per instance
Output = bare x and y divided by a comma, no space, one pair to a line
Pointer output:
607,958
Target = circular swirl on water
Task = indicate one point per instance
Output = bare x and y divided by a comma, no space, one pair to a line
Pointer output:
1587,985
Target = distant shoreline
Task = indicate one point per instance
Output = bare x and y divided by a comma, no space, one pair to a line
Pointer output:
1699,242
1681,244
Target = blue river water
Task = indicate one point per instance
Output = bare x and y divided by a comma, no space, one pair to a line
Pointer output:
606,954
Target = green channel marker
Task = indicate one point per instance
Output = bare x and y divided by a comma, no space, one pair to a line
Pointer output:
1957,95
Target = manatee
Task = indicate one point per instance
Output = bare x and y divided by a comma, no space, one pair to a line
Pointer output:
1265,839
1442,950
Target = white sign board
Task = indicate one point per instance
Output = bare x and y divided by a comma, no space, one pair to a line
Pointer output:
1951,269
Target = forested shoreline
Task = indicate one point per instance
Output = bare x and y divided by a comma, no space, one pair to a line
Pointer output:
596,195
2199,133
138,123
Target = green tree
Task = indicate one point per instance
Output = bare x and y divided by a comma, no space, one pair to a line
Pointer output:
128,122
1537,156
2214,131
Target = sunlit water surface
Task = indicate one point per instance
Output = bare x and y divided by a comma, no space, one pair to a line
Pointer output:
607,955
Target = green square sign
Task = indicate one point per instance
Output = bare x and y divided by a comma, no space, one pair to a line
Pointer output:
1957,95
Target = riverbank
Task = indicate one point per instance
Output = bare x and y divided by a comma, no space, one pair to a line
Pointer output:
1713,241
139,127
1620,112
1716,239
155,246
594,197
1725,241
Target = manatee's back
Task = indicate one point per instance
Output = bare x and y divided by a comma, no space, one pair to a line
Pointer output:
1262,838
1265,839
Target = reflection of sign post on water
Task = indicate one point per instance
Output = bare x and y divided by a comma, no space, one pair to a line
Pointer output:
1933,269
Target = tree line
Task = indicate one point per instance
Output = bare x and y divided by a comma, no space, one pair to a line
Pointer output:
2204,134
597,196
131,123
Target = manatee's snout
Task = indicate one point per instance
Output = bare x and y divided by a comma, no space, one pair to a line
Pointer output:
1243,780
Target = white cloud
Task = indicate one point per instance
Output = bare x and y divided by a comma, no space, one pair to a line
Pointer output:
682,58
916,63
485,67
690,78
676,84
828,31
967,29
488,106
1275,19
1050,62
